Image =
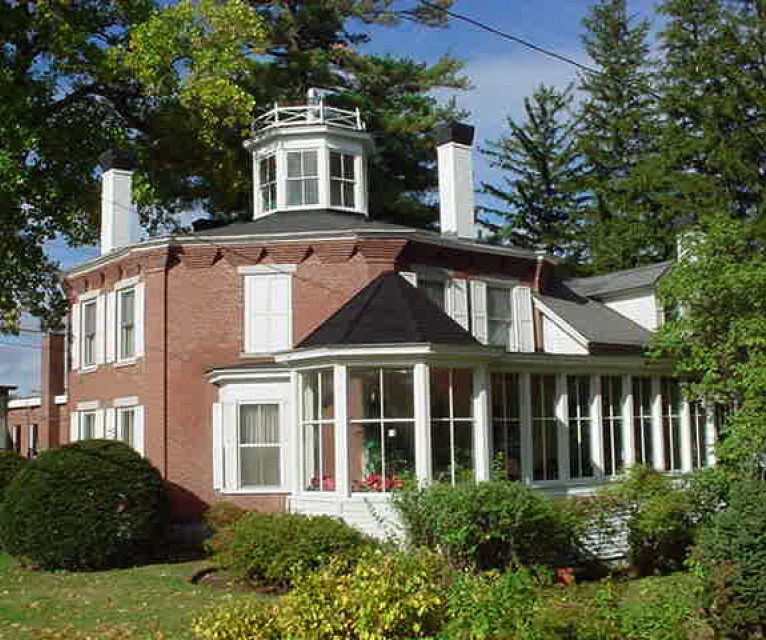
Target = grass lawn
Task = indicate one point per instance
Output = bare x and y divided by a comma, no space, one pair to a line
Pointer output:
155,602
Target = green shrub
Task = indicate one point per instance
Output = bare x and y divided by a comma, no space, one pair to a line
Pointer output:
89,505
237,621
708,493
223,515
274,548
392,596
11,462
488,525
732,555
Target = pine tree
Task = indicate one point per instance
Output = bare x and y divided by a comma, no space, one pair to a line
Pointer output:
539,200
617,139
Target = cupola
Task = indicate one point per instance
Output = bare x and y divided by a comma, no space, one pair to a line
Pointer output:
310,156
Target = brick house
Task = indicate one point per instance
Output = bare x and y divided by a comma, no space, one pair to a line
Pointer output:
312,358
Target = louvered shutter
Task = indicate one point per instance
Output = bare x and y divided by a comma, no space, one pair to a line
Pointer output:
100,329
218,466
74,319
525,329
138,430
479,310
74,426
140,319
230,461
98,429
111,325
110,424
458,302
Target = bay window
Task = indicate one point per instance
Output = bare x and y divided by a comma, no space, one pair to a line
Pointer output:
642,421
611,424
578,398
506,424
342,180
318,430
544,428
302,178
381,414
671,423
452,425
259,446
267,183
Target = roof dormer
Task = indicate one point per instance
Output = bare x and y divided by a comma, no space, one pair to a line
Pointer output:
310,156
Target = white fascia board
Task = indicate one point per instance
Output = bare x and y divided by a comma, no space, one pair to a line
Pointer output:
561,323
260,269
24,403
387,352
244,374
63,399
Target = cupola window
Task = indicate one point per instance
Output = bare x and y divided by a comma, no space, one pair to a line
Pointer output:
342,180
268,183
302,178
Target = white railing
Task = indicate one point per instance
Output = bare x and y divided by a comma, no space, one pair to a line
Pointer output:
309,114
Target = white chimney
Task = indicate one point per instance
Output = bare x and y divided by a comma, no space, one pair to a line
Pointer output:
454,142
120,226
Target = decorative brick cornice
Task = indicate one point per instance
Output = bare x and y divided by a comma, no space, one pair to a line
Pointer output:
199,257
381,250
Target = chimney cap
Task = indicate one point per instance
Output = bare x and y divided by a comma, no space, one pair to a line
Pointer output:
117,159
458,132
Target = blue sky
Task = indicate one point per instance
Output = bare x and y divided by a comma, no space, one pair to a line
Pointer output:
502,73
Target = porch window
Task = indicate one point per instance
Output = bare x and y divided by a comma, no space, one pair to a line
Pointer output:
302,178
611,425
671,423
699,434
126,347
506,425
544,428
642,421
499,315
342,180
578,397
267,174
259,446
452,425
318,429
381,411
89,333
87,425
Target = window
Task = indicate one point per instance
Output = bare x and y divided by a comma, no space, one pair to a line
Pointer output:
88,353
699,434
126,319
318,429
381,410
267,181
499,316
578,397
544,428
671,423
126,426
435,290
611,424
342,180
87,425
260,449
452,425
642,421
267,312
506,425
32,443
16,438
302,178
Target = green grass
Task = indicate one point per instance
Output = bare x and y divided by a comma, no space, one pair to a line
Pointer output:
154,602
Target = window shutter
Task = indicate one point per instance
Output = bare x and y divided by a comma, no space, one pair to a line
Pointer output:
74,320
410,276
74,426
140,307
230,457
218,467
98,431
138,430
513,340
479,310
281,303
111,325
110,424
525,330
458,302
100,329
268,309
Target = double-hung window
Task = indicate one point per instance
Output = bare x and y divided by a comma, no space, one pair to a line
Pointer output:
578,397
267,182
452,425
87,425
544,428
342,180
671,423
268,304
88,333
499,315
259,445
611,424
506,424
126,426
642,421
699,419
126,323
302,178
318,430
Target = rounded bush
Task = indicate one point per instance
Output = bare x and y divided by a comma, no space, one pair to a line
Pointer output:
89,505
11,462
274,548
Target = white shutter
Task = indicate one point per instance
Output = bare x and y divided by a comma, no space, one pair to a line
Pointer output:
138,430
268,307
110,424
218,467
513,339
98,431
458,302
74,426
525,328
479,310
230,461
111,325
281,304
74,319
100,329
140,323
410,276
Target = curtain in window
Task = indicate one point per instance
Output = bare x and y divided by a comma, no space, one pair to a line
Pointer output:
259,448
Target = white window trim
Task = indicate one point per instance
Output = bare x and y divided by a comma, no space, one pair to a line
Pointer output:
321,422
282,487
357,161
267,269
92,297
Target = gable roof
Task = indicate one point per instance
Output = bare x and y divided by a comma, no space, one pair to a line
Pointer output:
389,310
618,281
603,328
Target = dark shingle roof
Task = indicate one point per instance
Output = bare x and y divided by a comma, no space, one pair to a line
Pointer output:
616,281
388,310
603,328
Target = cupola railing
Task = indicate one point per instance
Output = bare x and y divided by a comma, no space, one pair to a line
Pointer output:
309,114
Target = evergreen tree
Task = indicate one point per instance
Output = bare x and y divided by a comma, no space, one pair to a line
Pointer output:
540,199
617,139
